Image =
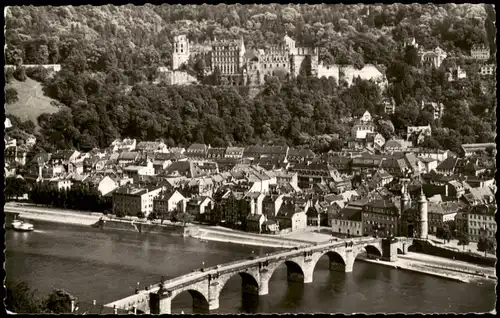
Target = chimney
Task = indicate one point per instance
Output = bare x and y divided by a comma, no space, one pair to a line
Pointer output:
115,310
72,305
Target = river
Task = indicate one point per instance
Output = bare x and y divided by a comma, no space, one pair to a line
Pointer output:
106,265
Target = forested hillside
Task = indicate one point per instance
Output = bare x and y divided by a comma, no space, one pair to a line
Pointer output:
110,55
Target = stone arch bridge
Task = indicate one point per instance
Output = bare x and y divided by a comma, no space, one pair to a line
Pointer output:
206,285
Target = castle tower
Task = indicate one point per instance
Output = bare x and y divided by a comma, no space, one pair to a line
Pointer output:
181,51
422,211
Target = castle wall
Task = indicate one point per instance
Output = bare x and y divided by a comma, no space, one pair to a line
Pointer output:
329,71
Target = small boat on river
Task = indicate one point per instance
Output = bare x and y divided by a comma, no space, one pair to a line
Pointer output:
21,226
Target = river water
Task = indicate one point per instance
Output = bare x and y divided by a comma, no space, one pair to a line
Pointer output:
106,266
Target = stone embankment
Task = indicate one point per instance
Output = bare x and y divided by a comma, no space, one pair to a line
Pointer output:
222,235
436,266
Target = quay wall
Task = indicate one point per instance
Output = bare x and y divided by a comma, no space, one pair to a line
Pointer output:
169,229
427,248
118,225
141,227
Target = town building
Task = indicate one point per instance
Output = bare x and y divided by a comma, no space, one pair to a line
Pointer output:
480,52
436,154
411,131
152,147
291,217
381,218
456,73
216,153
234,152
295,156
126,144
472,149
441,212
255,223
436,109
167,202
481,222
127,158
131,200
434,57
64,157
197,151
347,221
374,140
201,208
136,172
389,106
314,173
487,69
363,126
271,204
104,184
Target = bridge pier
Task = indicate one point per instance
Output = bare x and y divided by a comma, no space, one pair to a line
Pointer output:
160,304
264,287
390,249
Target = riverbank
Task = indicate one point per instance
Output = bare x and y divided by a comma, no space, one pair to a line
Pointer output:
54,216
438,267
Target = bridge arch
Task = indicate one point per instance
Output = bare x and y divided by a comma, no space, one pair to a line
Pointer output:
250,289
294,272
336,261
373,250
249,283
199,298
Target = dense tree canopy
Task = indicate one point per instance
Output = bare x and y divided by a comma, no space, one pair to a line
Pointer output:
110,56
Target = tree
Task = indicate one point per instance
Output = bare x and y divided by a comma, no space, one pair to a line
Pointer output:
444,232
11,95
486,244
489,150
463,239
59,301
15,187
152,216
386,128
20,74
184,217
21,299
140,215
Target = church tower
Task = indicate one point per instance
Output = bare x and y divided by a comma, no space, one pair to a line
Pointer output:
422,211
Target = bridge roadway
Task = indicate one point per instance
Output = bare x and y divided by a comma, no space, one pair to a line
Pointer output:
207,276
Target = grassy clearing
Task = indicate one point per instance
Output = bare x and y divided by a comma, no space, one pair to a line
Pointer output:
32,101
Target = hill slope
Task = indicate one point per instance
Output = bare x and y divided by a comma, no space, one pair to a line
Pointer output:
32,101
